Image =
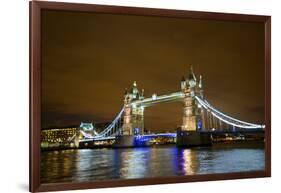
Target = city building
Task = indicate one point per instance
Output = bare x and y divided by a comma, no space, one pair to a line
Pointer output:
59,135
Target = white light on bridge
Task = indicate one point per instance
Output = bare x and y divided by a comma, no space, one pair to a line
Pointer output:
154,96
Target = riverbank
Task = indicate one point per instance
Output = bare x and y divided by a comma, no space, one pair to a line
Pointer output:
226,143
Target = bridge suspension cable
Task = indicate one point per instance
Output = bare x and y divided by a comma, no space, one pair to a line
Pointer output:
226,118
113,128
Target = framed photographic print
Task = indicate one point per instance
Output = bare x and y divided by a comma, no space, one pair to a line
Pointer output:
123,96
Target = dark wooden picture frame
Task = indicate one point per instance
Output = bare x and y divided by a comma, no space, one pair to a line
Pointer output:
36,8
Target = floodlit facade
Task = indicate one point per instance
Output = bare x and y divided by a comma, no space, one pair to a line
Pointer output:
193,116
59,135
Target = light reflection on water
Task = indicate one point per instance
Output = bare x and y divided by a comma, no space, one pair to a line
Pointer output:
102,164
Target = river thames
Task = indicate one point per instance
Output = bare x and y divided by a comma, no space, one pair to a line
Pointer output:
82,165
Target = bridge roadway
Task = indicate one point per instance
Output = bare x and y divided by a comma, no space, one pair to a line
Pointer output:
170,135
174,135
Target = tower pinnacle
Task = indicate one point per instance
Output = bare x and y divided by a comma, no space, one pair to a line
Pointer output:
191,74
200,82
191,78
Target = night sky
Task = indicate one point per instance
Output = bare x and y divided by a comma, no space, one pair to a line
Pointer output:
89,59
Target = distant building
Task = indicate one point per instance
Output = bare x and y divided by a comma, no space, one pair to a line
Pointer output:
59,135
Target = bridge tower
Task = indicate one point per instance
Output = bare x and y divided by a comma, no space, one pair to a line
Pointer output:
133,114
193,114
192,120
133,118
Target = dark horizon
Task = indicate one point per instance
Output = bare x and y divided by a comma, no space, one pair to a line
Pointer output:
89,59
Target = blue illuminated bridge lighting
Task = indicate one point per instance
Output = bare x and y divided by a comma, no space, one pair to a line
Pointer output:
138,138
149,136
142,139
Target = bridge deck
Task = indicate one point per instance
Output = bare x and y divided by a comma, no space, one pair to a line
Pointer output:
174,135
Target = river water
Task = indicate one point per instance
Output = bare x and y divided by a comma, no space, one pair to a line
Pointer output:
82,165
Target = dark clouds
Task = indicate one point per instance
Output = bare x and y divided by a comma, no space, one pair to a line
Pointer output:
89,59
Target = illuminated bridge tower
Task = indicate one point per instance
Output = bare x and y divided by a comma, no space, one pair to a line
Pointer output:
193,116
133,114
133,118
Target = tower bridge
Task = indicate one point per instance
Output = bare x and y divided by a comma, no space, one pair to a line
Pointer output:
199,119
